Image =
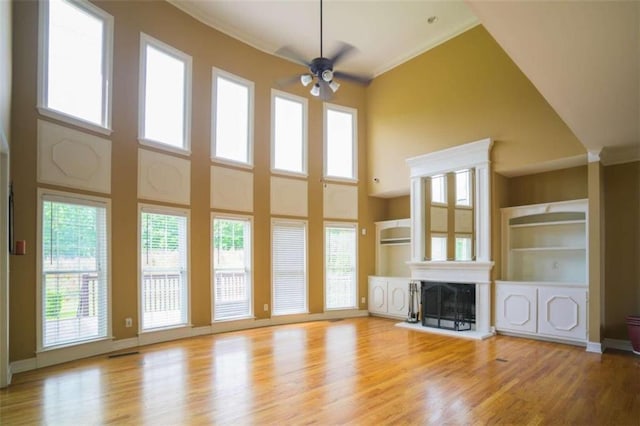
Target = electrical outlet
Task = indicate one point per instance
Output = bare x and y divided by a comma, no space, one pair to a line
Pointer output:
128,322
266,307
363,300
364,231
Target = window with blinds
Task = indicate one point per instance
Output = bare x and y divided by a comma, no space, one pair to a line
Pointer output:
340,266
231,268
164,275
74,287
289,267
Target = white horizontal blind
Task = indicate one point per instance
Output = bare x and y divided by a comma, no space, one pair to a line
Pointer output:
340,266
231,268
74,286
164,275
289,269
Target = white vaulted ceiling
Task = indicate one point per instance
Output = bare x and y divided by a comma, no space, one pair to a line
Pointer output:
583,56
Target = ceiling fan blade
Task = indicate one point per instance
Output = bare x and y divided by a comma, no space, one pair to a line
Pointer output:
292,54
362,79
343,51
288,81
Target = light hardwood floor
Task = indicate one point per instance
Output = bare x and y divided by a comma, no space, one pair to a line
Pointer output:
356,371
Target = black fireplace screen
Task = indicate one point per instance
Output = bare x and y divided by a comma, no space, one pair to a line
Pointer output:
448,305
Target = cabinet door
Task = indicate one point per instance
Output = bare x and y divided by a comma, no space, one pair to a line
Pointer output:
398,298
562,312
377,295
516,308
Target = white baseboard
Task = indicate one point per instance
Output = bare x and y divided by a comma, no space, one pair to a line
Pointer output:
623,345
23,365
122,344
595,347
71,353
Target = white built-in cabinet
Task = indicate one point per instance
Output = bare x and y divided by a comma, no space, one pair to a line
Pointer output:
389,288
544,263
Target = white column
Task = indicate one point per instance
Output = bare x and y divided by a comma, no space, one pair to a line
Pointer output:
483,307
482,212
417,219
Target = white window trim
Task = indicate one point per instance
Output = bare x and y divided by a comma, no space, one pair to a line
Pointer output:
158,209
347,225
62,196
217,72
145,40
305,133
275,221
107,63
354,155
230,216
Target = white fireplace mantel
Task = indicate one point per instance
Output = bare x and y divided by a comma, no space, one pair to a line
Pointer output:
476,156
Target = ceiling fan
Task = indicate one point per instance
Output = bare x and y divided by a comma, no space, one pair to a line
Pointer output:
321,69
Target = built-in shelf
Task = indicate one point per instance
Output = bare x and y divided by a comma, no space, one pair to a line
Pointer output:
547,248
388,241
393,248
545,243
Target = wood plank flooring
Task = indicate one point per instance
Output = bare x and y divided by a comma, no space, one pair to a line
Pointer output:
355,371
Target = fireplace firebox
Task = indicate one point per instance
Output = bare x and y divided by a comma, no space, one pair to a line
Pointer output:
450,306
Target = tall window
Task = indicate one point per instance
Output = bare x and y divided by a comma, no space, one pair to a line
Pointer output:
340,270
165,94
288,133
289,267
231,268
439,247
164,268
340,142
74,283
75,63
232,118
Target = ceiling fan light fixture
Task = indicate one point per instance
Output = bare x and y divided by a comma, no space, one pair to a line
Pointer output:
305,79
334,85
315,90
327,75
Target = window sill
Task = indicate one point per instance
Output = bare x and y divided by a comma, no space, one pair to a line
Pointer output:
285,173
333,179
165,147
233,163
74,121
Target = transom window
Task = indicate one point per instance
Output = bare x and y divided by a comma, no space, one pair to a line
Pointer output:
232,277
74,281
165,95
340,137
75,63
288,133
164,278
232,134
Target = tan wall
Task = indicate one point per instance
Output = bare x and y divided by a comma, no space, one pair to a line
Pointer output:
398,208
461,91
622,247
208,48
557,185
